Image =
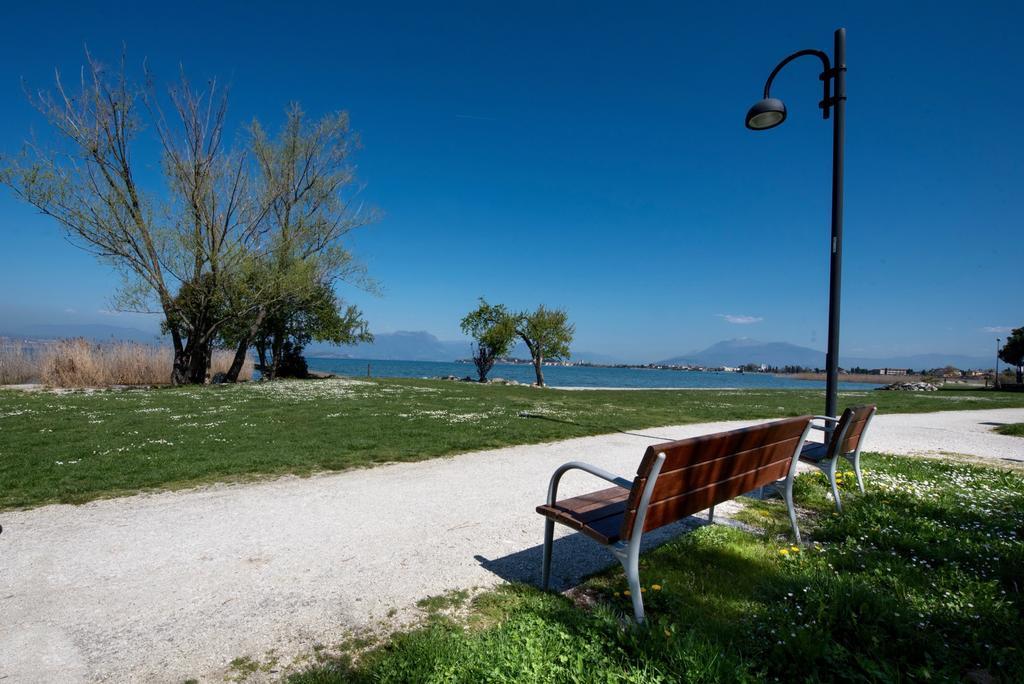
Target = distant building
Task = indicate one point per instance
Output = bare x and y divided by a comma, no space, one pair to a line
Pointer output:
889,371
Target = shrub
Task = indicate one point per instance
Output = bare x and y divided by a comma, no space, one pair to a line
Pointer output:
293,364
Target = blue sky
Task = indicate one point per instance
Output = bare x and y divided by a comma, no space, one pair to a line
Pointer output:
593,156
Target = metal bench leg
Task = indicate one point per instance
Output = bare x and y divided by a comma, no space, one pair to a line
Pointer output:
711,514
629,556
787,494
549,534
830,474
630,559
633,579
856,469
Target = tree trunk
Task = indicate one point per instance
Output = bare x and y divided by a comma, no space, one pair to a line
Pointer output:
276,349
199,363
179,367
236,364
538,368
1020,375
261,353
243,347
483,359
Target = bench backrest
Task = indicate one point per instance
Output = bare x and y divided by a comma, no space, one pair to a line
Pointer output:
851,427
703,471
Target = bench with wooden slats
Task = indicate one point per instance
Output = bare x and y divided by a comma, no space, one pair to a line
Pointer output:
676,480
844,437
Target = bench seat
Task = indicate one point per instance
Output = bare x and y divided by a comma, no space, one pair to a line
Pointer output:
597,514
813,452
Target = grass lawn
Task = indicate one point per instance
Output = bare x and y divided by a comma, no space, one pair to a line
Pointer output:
920,579
1012,429
78,446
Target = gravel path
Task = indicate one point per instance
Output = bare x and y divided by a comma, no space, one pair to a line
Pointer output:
174,585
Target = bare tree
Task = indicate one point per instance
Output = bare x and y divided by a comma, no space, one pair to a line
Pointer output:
176,249
220,220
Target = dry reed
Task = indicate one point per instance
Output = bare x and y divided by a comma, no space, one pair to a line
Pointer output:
80,363
17,364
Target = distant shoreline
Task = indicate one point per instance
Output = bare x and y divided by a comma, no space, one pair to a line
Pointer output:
575,376
869,378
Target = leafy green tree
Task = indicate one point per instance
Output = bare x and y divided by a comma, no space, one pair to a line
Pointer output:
317,314
1013,352
306,179
547,333
493,330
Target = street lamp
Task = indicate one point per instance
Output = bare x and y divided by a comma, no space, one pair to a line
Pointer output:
769,113
995,383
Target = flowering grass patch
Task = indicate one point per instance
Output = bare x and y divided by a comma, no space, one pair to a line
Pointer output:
919,579
74,446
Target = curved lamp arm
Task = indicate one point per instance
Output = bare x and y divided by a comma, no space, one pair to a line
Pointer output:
826,76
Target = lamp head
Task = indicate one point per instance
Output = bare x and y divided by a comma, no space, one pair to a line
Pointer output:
768,113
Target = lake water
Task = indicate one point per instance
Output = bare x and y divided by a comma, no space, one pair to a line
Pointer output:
575,376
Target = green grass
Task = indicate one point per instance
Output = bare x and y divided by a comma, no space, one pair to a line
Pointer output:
919,580
78,446
1012,429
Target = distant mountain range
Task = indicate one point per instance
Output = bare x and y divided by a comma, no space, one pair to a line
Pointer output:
91,331
741,351
403,345
420,345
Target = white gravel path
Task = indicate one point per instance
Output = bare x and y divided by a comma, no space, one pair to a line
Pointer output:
174,585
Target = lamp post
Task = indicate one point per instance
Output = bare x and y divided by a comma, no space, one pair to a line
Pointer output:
769,113
995,382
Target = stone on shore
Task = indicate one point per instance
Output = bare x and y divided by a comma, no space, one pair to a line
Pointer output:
910,387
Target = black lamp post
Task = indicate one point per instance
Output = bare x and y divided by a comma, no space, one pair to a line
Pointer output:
769,113
995,382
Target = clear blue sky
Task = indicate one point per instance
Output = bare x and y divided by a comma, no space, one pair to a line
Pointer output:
593,156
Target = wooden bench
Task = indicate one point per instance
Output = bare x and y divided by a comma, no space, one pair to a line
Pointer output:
675,480
843,439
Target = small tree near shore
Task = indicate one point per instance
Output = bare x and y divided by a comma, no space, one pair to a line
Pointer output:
547,333
1013,352
493,330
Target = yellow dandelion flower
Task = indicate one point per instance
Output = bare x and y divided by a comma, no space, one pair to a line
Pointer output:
656,587
626,593
642,590
794,548
784,552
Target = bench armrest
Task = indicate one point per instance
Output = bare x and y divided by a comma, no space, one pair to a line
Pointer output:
828,419
585,467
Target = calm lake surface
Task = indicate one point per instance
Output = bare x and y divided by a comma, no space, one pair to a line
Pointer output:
574,376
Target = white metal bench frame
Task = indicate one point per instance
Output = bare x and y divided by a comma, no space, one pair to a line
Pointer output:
628,552
830,463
